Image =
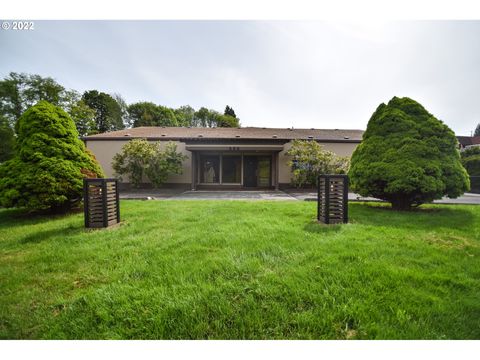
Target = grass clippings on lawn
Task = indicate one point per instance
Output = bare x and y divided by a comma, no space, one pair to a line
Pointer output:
242,270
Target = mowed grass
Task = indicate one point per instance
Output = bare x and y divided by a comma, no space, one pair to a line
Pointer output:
242,270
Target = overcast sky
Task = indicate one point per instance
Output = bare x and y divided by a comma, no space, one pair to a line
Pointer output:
274,74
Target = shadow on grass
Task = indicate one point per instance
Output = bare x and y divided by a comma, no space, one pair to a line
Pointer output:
11,217
62,232
319,228
425,218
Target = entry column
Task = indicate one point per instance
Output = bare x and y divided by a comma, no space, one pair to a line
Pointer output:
194,171
276,170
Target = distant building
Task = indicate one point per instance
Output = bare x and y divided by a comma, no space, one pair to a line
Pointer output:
468,141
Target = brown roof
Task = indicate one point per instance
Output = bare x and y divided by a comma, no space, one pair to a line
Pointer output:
469,140
464,140
250,133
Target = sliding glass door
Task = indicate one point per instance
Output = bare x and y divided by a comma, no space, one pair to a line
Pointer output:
231,169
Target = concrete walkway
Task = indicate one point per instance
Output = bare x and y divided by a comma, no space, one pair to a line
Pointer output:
288,195
234,195
178,194
148,194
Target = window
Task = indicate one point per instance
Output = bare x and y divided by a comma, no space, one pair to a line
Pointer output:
210,169
231,169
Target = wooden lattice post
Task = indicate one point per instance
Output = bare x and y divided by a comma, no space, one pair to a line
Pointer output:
332,199
101,202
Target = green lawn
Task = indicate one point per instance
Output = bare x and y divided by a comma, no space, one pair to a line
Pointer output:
242,270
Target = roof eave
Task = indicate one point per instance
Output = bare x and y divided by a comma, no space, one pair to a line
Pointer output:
185,139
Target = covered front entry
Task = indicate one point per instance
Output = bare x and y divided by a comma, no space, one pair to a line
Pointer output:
249,169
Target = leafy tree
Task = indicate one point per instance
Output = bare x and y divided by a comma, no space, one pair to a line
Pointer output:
123,109
477,130
132,160
7,140
140,158
211,118
203,117
185,116
18,92
142,113
164,163
309,160
50,163
108,113
167,117
150,114
230,112
226,121
84,118
407,157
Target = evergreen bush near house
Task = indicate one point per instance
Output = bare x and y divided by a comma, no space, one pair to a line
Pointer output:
407,157
309,160
48,168
140,157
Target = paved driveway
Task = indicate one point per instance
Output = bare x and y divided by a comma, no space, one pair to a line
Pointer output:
467,198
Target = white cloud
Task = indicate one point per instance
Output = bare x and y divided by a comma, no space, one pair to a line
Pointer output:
301,74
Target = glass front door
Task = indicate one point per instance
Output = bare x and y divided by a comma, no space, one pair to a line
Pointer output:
257,171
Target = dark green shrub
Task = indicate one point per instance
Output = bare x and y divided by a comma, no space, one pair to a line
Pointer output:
471,160
407,157
48,168
472,165
470,151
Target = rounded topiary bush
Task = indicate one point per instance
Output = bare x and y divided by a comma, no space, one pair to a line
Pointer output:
407,157
50,163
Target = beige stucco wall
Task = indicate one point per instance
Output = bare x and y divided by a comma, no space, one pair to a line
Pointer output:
285,175
104,151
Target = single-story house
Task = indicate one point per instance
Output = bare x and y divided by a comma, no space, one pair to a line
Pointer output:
248,157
